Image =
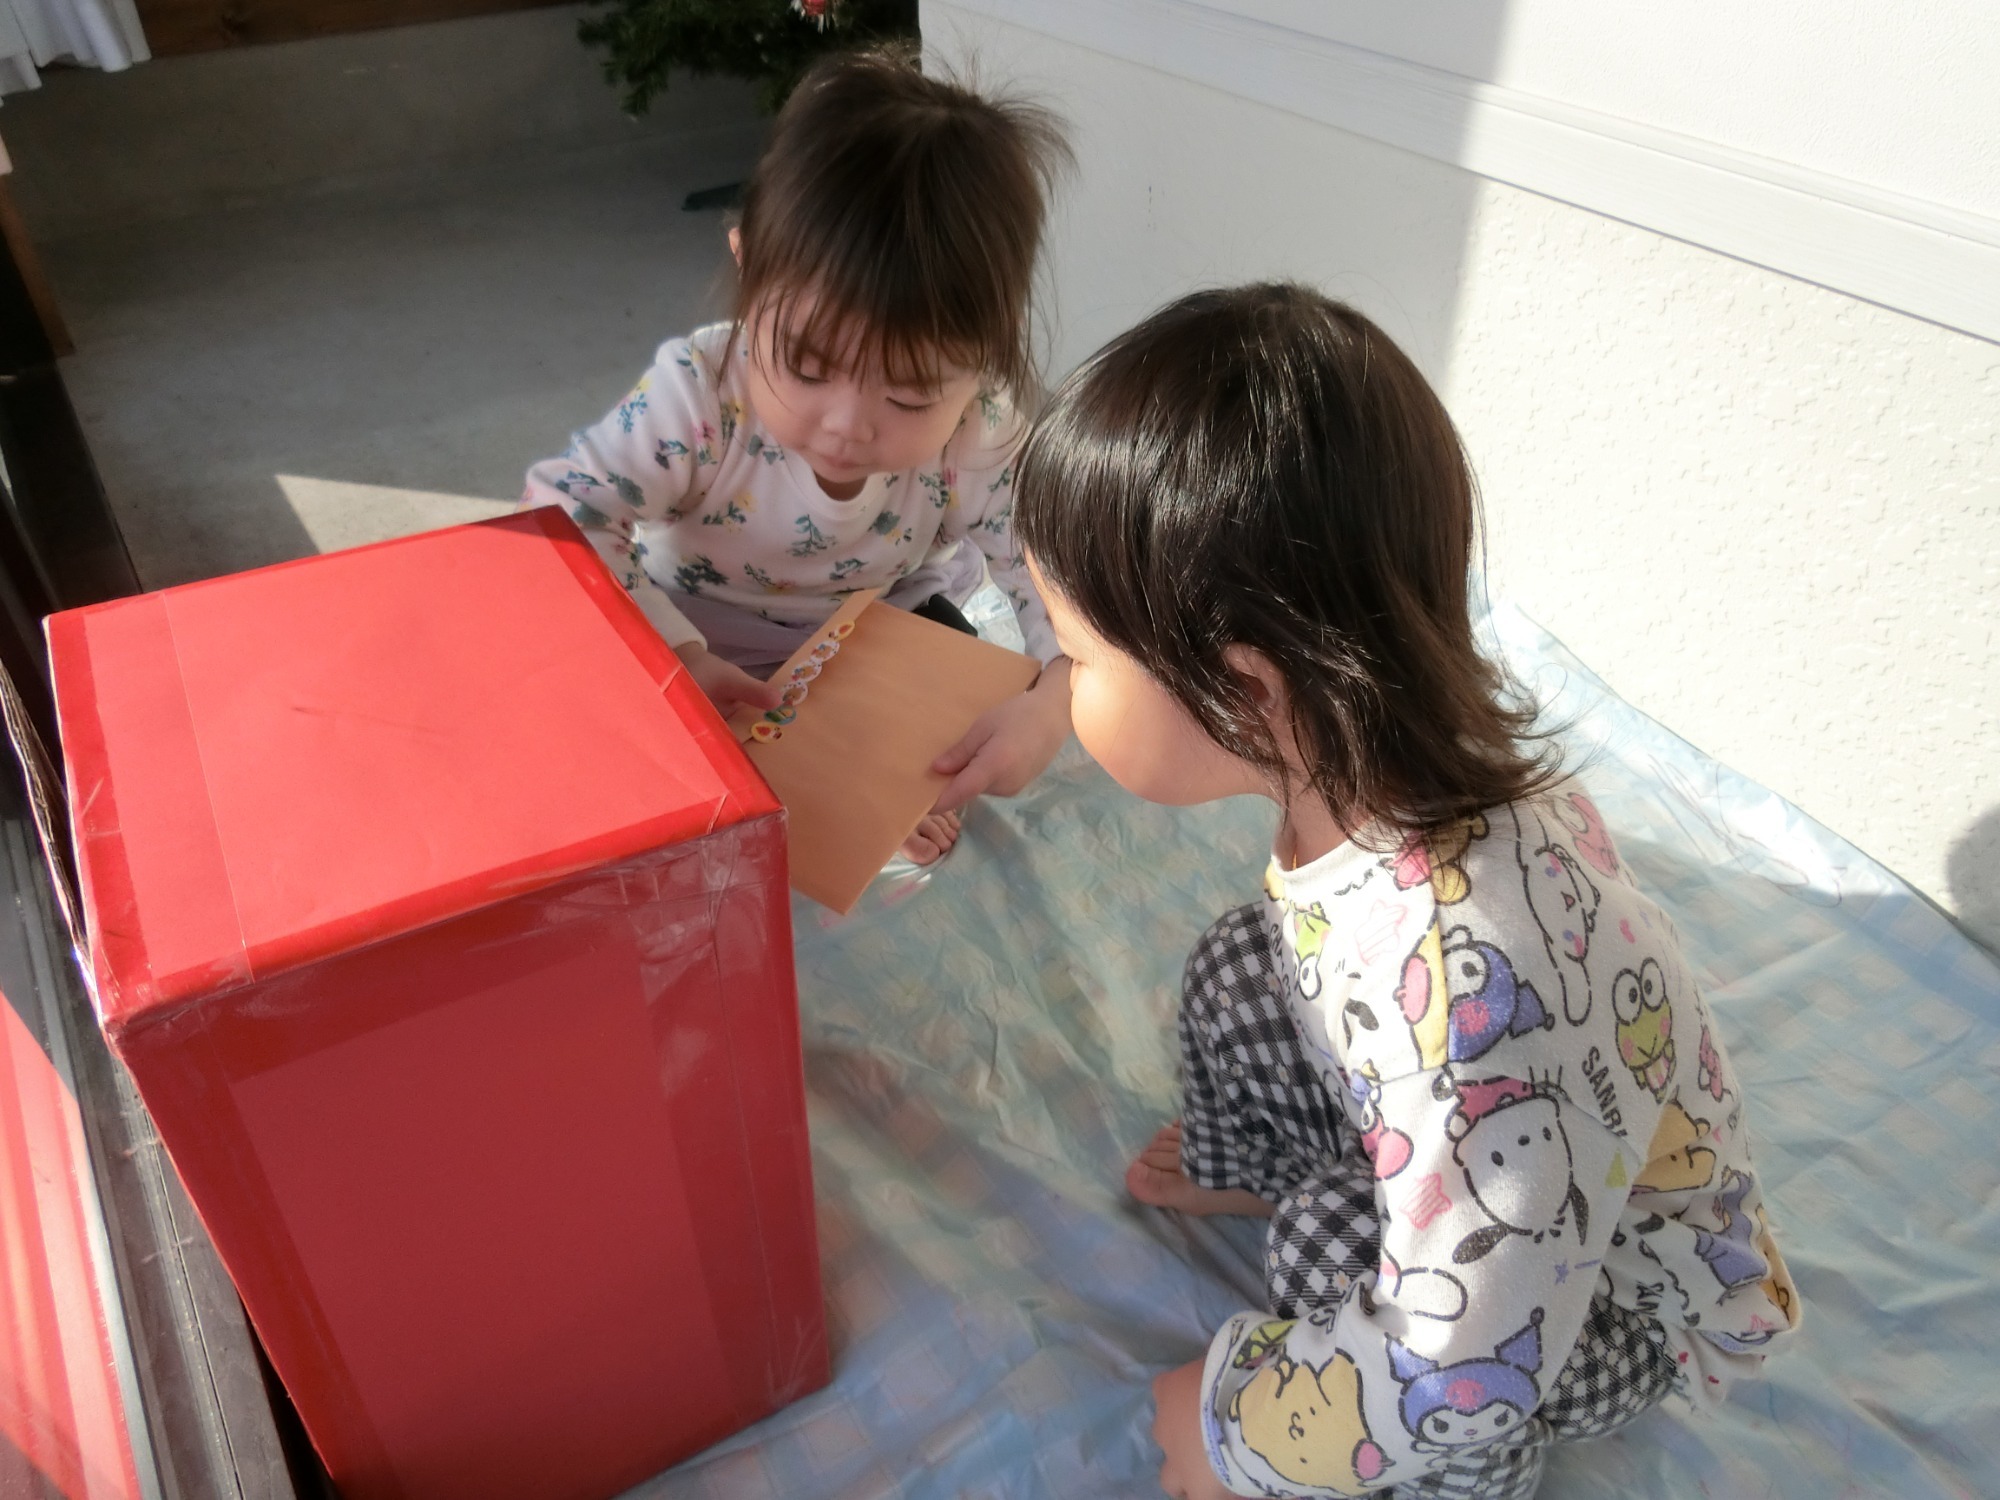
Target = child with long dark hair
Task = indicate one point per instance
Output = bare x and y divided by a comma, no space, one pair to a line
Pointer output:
853,425
1454,1055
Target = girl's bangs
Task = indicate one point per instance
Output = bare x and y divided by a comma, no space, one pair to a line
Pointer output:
813,325
1081,501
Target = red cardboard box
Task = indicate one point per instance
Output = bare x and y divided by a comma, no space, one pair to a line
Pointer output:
444,929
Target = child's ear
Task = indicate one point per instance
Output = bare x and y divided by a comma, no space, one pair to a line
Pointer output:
736,245
1261,679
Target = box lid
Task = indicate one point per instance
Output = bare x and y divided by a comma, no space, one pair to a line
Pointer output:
278,765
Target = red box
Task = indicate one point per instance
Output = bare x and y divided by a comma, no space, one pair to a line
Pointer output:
445,932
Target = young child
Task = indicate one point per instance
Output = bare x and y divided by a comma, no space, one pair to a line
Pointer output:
853,426
1454,1055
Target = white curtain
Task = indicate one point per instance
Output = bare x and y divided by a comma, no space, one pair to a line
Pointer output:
97,33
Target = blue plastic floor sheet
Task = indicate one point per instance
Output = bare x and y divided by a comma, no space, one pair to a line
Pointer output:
985,1054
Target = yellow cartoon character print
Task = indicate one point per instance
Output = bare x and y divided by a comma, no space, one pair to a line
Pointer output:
1778,1291
1425,998
1677,1159
1440,861
1305,1421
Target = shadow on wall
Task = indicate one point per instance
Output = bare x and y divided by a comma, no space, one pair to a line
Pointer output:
1972,874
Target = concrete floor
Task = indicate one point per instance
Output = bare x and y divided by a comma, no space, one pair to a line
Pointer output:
335,291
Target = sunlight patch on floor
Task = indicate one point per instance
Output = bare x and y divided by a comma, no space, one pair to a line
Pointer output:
338,514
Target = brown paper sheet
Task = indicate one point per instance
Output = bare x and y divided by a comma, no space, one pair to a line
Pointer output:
853,765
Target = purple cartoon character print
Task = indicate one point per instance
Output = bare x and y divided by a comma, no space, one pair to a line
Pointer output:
1488,1000
1730,1254
1474,1401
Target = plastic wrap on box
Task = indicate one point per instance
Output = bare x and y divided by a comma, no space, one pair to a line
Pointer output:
445,932
63,1418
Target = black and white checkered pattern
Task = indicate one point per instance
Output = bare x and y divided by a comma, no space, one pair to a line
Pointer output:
1620,1368
1255,1114
1500,1471
1324,1235
1618,1371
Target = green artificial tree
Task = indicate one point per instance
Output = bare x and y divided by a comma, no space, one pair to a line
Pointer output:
770,42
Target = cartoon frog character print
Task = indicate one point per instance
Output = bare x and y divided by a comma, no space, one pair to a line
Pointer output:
1645,1025
1310,927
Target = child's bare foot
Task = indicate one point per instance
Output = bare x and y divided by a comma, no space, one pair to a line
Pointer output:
1155,1177
933,838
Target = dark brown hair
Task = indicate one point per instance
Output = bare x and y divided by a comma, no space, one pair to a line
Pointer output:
894,219
1263,466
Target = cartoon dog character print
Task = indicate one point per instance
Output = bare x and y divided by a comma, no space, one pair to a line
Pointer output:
1564,902
1645,1025
1419,1291
1731,1255
1587,833
1677,1160
1488,1000
1356,1015
1440,861
1508,1138
1474,1401
1305,1421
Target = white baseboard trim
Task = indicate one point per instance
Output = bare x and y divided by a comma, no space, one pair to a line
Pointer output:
1926,259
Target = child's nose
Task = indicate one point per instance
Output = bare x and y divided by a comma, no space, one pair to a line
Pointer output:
846,418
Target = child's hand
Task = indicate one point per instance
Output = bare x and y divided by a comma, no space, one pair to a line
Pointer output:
1177,1428
1009,746
726,684
933,839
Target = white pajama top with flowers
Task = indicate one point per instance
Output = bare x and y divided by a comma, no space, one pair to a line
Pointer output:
724,537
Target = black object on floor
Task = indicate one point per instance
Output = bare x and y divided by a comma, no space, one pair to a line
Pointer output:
729,195
942,610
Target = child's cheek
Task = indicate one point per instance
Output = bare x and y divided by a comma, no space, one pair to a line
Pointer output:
1137,738
1087,717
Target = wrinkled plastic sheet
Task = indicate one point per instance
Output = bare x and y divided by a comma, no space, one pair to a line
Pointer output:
986,1051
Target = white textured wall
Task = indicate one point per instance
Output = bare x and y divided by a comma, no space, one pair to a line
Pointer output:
1900,96
1768,513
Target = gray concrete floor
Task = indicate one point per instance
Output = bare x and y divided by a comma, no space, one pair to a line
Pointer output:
327,340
